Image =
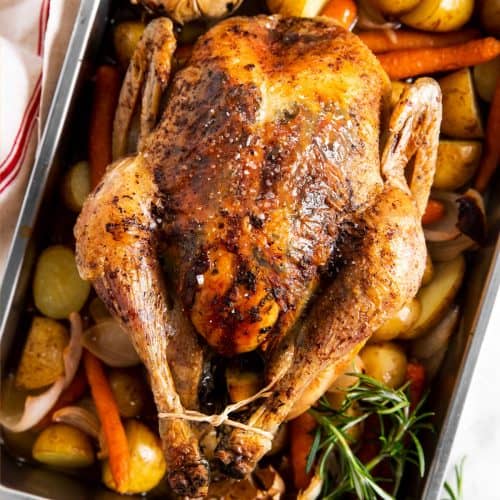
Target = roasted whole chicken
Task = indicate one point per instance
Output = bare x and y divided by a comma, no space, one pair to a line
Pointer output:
270,208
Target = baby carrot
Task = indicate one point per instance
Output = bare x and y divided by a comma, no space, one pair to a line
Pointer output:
388,40
107,410
344,11
433,212
491,151
401,64
301,439
106,92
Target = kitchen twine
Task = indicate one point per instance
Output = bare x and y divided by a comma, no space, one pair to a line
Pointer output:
223,418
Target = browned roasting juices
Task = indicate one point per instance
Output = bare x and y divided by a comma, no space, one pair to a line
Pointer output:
264,177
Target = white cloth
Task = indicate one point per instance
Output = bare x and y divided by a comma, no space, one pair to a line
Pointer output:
33,39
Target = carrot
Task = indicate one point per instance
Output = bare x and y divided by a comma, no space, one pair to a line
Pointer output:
415,374
107,410
105,99
413,62
343,11
301,439
72,393
387,40
434,211
491,151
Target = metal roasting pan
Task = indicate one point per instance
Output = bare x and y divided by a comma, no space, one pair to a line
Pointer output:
25,480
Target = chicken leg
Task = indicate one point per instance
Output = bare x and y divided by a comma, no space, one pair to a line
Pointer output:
385,259
116,250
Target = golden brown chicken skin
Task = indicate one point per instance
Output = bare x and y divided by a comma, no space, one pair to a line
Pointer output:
269,144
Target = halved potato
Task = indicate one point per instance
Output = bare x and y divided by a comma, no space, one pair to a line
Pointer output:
58,289
147,464
300,8
436,297
485,78
61,445
461,116
241,384
385,362
126,36
42,358
76,186
399,323
439,15
456,164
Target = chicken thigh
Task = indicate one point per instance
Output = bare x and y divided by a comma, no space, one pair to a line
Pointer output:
262,184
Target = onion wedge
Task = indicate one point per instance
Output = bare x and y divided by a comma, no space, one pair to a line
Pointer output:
36,407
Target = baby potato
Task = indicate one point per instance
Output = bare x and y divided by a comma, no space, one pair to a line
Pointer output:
385,362
126,36
76,186
129,391
399,323
42,358
58,289
300,8
394,7
61,445
241,384
456,164
461,116
439,15
436,297
485,78
147,463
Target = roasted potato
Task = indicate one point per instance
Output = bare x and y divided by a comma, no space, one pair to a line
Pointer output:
61,445
436,297
385,362
485,78
399,323
147,462
456,164
461,116
394,7
58,289
42,360
129,391
439,15
241,384
126,36
300,8
76,186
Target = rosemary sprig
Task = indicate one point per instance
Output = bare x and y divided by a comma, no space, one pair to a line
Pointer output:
456,493
332,449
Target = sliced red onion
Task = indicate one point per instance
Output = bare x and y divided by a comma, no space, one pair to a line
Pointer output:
36,407
111,344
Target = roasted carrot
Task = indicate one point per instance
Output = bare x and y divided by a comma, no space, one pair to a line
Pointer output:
343,11
413,62
107,410
434,211
72,393
380,41
415,374
301,439
105,99
491,150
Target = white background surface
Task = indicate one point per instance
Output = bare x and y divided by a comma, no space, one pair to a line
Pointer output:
478,435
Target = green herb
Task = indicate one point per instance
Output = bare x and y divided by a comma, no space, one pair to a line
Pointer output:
332,449
456,494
